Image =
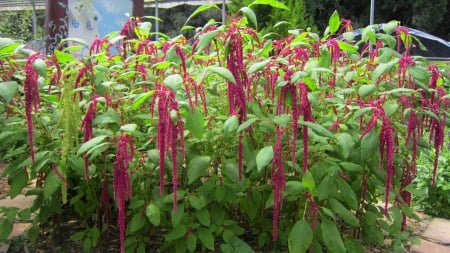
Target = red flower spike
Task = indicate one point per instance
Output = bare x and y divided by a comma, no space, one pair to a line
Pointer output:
122,184
32,97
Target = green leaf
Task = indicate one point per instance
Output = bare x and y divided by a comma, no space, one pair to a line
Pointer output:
349,166
51,185
334,22
17,182
136,223
176,233
201,9
420,73
231,124
223,72
141,98
300,237
391,108
332,237
264,157
346,144
129,127
63,57
347,47
203,217
294,188
110,116
205,39
353,245
318,129
7,227
191,242
250,14
206,238
177,216
282,120
8,90
258,66
308,181
153,214
246,124
195,123
272,3
383,68
369,144
366,90
91,144
41,67
342,211
197,167
174,81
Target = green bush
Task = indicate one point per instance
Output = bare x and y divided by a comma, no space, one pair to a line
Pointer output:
229,142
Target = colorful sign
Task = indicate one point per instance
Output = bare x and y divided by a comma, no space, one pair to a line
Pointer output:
91,19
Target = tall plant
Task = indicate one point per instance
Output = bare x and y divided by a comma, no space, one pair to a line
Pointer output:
231,140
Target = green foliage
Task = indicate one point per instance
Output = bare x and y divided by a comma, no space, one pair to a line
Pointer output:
433,200
19,25
223,133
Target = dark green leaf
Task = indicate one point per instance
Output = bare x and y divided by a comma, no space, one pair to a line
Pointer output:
197,167
369,144
349,166
343,212
294,188
17,182
51,185
353,245
318,129
346,144
136,223
8,90
332,237
206,238
7,227
264,157
308,181
191,243
203,217
176,233
195,123
91,144
300,237
177,216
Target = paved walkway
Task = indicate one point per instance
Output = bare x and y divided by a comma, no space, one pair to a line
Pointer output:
434,232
